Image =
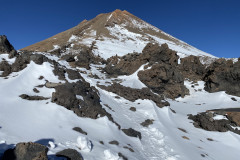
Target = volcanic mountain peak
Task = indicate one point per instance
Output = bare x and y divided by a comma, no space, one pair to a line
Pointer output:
118,32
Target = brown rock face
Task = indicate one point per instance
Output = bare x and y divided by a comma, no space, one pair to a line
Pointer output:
5,45
192,68
223,75
164,79
134,94
26,151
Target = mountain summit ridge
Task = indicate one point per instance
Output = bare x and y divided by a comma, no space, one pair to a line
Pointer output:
118,32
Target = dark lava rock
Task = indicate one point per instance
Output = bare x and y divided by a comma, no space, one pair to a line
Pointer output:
6,68
164,79
70,154
192,68
5,45
132,133
223,75
78,129
68,58
132,94
114,142
205,121
32,98
122,156
147,122
130,63
72,74
59,71
26,151
133,109
66,95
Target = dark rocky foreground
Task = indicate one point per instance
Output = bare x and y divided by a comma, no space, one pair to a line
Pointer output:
35,151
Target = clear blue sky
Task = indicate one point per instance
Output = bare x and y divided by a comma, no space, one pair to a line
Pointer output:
210,25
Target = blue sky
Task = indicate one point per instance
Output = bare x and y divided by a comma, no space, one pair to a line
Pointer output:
210,25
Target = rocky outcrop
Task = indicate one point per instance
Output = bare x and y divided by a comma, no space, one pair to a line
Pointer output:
21,62
130,63
6,47
165,80
132,133
164,76
223,75
26,151
82,99
135,94
32,98
70,154
206,121
192,68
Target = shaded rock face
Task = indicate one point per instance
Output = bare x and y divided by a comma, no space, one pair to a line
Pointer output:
223,75
83,59
21,62
70,154
5,45
26,151
80,98
163,77
130,63
132,133
192,68
206,121
135,94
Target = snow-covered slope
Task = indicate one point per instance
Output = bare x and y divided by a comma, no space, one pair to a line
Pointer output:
118,32
170,137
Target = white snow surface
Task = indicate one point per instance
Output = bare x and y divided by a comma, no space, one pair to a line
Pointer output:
50,124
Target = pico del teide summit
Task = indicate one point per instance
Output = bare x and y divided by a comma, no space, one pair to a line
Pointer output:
115,33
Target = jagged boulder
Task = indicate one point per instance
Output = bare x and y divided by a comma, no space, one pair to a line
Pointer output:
192,68
164,79
26,151
223,75
132,94
5,45
206,121
82,99
70,154
130,63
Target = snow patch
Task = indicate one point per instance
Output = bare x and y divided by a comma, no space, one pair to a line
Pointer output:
84,144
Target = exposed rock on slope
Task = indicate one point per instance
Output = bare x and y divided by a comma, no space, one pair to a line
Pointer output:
163,77
5,45
192,68
135,94
229,119
223,75
81,98
26,151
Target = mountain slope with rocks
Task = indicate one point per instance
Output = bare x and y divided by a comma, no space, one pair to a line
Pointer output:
117,88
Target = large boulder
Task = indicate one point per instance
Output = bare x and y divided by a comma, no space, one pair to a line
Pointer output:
192,68
26,151
70,154
81,98
5,45
133,94
223,75
164,79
